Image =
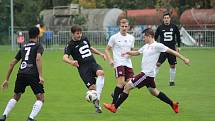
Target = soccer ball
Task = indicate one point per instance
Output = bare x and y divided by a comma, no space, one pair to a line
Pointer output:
91,96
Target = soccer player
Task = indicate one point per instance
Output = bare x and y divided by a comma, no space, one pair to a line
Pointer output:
30,73
151,51
169,34
81,51
119,43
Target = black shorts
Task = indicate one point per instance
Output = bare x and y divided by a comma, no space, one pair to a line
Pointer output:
142,80
24,80
87,73
171,58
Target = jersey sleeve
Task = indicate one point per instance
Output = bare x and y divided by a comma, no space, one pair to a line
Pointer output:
111,41
67,49
161,47
88,42
40,49
18,55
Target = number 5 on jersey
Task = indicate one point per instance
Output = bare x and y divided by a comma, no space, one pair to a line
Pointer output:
168,36
85,51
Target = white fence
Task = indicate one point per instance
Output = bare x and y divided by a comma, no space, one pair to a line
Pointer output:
99,39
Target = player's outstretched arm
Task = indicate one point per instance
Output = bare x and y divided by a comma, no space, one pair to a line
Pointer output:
68,60
94,50
131,53
11,66
186,60
109,57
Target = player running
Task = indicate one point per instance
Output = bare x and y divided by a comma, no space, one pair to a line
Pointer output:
29,74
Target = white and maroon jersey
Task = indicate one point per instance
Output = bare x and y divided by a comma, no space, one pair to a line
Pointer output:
121,44
151,54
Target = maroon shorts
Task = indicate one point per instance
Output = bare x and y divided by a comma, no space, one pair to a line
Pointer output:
141,80
124,71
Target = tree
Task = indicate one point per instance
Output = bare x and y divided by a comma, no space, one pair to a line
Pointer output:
4,20
100,4
61,2
130,4
88,3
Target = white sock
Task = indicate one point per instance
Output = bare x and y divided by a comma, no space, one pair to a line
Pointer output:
11,103
36,108
99,85
172,72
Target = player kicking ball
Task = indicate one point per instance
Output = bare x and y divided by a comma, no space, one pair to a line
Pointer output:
151,51
81,51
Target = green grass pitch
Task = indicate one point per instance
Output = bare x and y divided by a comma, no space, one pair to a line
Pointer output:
64,97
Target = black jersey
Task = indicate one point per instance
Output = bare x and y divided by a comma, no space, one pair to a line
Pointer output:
169,34
80,51
28,54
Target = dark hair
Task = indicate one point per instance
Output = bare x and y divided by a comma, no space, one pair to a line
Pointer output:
42,25
148,31
75,28
33,32
166,14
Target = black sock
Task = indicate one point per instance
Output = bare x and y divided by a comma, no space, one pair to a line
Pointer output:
117,92
123,96
164,98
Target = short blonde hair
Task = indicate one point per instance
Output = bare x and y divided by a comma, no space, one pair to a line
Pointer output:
123,21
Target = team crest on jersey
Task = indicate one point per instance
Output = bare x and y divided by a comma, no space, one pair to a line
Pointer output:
88,84
171,29
84,42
